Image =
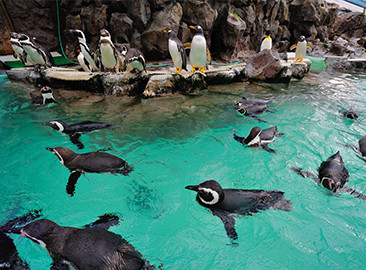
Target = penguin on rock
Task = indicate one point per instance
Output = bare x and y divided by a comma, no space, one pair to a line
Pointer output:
301,47
265,42
177,51
198,50
19,51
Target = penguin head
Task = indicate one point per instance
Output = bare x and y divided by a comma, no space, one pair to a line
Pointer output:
209,193
41,231
267,33
301,38
24,39
197,29
171,33
105,34
351,114
56,125
240,108
78,33
47,95
254,136
329,183
64,154
46,90
14,35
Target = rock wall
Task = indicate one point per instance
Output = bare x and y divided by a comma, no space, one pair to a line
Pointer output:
231,26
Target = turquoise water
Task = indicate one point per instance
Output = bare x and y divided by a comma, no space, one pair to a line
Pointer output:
184,140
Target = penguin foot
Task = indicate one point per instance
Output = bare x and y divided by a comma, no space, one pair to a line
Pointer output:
202,70
178,70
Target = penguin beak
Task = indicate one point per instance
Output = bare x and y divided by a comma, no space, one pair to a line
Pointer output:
194,188
192,27
72,31
15,230
50,149
46,124
165,31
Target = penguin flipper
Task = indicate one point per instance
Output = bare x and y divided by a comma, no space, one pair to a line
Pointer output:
267,148
74,138
104,222
256,118
20,221
71,183
59,265
354,193
184,57
187,45
208,55
306,174
293,47
354,148
310,46
229,223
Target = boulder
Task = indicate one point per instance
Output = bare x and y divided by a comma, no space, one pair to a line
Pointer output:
266,66
122,27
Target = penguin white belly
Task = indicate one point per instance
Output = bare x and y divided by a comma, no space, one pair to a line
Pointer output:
197,55
81,61
266,44
89,59
18,50
175,54
137,65
34,55
300,50
108,58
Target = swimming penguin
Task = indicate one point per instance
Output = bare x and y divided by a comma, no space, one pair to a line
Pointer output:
110,57
265,42
361,149
258,137
177,51
83,249
300,49
225,203
332,175
19,51
198,53
74,130
39,54
351,114
46,98
93,162
87,53
251,109
256,101
134,60
9,256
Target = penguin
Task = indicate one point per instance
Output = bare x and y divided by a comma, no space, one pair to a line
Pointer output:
251,109
177,51
258,137
134,60
46,98
9,256
332,175
93,162
225,203
351,114
74,130
86,52
198,52
256,101
39,54
19,51
83,63
300,49
265,42
360,150
110,57
83,248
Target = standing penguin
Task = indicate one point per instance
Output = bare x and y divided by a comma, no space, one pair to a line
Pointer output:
332,175
265,42
46,98
83,249
39,54
83,63
74,130
300,49
19,51
134,60
177,51
110,57
93,162
86,51
198,53
226,203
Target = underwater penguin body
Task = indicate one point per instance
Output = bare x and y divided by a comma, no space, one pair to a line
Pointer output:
87,53
332,175
93,162
39,54
134,60
259,137
45,98
265,42
177,52
251,109
361,149
224,203
197,54
74,130
83,249
256,101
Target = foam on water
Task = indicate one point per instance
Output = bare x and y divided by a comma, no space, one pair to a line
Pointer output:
184,140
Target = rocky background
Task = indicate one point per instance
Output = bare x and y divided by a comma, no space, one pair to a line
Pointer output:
232,27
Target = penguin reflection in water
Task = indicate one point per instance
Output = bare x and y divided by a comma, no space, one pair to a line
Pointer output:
258,137
332,175
225,203
75,130
93,162
92,247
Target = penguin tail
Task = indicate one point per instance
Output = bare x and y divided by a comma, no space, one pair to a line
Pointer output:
239,139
